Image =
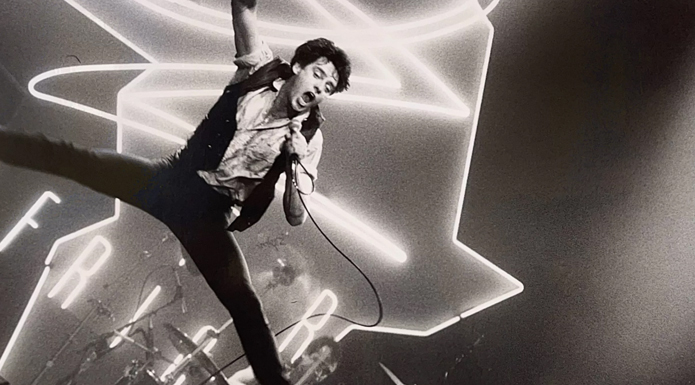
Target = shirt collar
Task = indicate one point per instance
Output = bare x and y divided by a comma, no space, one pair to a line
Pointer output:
278,123
277,84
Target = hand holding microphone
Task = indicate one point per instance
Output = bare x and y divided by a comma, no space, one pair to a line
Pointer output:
295,144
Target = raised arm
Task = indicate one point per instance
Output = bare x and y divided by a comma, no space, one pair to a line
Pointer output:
245,25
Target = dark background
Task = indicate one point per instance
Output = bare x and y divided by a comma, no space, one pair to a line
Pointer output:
581,187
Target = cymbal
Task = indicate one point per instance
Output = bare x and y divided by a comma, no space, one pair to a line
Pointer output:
186,346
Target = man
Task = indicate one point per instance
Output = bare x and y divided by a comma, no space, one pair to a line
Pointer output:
319,360
267,117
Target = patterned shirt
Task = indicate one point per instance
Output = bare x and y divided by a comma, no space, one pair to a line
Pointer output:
258,140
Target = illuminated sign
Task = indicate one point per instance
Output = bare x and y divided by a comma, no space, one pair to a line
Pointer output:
138,313
82,273
27,219
311,328
388,86
197,338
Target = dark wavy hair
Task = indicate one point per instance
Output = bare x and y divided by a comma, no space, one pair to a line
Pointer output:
313,50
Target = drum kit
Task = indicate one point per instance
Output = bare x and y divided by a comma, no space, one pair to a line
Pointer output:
316,363
197,365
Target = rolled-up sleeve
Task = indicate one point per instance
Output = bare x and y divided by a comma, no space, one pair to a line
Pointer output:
249,63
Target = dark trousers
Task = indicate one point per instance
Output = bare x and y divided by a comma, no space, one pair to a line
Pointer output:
180,199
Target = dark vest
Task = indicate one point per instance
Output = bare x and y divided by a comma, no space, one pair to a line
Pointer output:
206,147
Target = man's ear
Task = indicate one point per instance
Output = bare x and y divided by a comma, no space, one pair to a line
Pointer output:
296,67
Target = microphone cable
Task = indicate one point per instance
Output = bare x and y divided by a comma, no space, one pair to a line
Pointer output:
296,161
369,281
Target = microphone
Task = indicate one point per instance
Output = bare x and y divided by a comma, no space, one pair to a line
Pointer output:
179,292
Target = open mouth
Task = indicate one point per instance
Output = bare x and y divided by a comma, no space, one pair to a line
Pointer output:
306,98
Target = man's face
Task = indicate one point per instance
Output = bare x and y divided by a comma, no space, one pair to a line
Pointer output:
312,84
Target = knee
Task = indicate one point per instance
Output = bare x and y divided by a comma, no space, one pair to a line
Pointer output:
243,303
241,294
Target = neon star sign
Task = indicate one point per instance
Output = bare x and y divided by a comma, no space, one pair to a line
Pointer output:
391,245
310,328
27,219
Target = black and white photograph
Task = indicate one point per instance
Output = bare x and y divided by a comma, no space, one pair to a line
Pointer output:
347,192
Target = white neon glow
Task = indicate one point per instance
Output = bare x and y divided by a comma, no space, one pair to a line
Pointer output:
391,81
492,302
519,287
28,219
322,205
422,67
331,210
351,37
441,32
392,376
168,94
325,207
226,16
463,112
117,67
141,310
171,368
42,279
112,31
466,173
361,43
120,125
401,331
460,113
311,328
163,94
175,120
82,273
197,338
490,7
180,380
24,317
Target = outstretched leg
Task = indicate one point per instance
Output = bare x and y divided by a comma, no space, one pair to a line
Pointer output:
220,260
185,207
105,171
